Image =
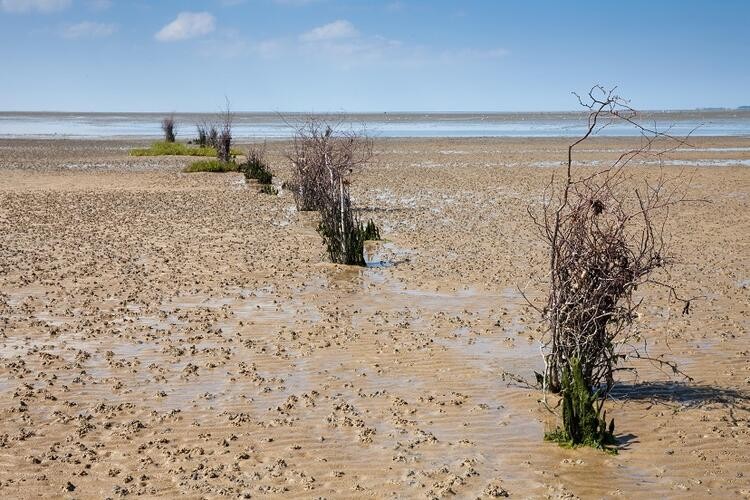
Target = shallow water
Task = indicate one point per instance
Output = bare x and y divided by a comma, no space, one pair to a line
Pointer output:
274,125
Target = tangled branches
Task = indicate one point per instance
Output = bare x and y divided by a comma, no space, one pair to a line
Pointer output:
212,136
606,238
202,129
167,126
256,167
224,139
324,156
217,133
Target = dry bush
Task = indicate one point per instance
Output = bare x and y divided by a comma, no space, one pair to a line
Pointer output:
606,237
167,126
224,146
224,140
324,156
212,136
256,167
322,153
202,129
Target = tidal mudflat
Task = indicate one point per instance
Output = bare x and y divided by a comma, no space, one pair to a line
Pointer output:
164,333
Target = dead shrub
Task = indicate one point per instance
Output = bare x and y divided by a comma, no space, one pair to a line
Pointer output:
256,167
605,232
324,156
224,139
321,154
202,139
212,136
167,126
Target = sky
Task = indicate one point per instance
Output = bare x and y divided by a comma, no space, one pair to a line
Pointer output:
369,56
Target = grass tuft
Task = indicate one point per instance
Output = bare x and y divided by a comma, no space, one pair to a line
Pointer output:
211,166
256,167
370,231
269,189
172,149
176,149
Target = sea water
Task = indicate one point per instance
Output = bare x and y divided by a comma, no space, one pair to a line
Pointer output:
279,125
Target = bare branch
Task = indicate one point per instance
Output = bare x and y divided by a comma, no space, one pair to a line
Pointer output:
606,237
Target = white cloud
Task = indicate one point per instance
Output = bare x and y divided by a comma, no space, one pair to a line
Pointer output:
331,31
44,6
363,50
88,30
231,44
187,25
341,45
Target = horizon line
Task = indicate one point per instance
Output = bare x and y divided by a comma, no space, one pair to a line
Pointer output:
370,112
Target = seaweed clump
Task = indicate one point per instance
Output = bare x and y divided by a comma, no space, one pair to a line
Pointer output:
584,423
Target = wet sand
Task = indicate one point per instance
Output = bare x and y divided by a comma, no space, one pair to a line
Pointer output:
165,333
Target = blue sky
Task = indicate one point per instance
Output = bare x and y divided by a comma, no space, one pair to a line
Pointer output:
357,55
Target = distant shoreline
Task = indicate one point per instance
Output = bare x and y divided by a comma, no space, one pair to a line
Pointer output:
370,113
731,123
391,115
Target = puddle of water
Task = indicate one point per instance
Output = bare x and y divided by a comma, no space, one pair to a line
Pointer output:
379,254
705,163
15,297
194,301
495,352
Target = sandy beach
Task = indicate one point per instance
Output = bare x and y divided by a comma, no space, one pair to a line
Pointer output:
166,334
